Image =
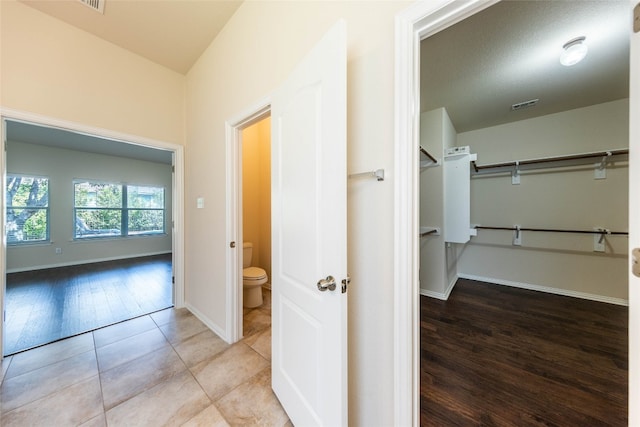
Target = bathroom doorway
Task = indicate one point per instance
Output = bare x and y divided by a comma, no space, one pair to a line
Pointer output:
256,228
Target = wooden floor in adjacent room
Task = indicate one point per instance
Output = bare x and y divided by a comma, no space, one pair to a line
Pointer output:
496,355
43,306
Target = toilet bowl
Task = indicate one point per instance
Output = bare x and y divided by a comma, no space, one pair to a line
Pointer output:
252,279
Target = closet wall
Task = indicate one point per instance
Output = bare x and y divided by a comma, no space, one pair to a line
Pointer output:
558,198
438,270
567,198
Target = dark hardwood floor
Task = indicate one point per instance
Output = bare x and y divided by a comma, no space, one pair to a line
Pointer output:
47,305
498,356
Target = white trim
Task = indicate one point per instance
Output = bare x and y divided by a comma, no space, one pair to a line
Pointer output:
547,289
3,244
233,134
634,224
411,25
37,119
204,319
178,184
83,262
440,295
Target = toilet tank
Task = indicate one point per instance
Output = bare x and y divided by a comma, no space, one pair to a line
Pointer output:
247,252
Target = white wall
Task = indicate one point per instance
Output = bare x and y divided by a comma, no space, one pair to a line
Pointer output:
433,273
552,198
256,192
251,56
62,167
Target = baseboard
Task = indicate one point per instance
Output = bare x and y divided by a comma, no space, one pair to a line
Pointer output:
208,323
547,289
87,261
441,296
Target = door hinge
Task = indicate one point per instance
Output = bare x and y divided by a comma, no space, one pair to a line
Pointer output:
173,279
636,18
173,169
345,284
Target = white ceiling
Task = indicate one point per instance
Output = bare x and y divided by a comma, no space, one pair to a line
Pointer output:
509,53
173,33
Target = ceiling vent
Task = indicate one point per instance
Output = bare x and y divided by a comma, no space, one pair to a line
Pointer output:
525,104
97,5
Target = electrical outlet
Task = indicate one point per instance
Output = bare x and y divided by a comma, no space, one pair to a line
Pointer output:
58,251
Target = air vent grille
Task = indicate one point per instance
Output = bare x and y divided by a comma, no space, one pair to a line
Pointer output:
525,104
97,5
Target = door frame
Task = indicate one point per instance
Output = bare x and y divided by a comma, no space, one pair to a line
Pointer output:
233,140
7,114
412,25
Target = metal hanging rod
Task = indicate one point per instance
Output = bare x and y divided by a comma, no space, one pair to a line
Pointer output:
554,230
599,154
378,174
426,153
426,233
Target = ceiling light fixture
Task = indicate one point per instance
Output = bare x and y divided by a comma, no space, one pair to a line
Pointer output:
573,51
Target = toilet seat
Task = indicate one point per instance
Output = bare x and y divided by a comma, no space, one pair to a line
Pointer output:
253,273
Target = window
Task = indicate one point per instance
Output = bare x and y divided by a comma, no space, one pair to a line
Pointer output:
114,210
27,201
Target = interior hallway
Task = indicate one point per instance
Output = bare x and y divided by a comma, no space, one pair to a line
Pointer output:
166,368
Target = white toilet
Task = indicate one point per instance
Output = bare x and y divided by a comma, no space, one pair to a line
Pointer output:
252,279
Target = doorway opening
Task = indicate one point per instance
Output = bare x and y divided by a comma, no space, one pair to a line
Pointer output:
256,229
256,123
85,273
416,25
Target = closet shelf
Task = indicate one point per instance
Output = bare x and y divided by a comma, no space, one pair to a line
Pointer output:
548,162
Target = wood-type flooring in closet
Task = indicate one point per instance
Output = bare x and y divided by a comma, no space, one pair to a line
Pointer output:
498,356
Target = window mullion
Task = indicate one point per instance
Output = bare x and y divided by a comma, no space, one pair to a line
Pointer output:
125,212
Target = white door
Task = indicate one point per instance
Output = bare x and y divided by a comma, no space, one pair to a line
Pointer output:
309,344
634,225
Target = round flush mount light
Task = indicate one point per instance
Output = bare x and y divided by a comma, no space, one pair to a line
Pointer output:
573,51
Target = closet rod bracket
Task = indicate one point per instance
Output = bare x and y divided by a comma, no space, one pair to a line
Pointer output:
378,174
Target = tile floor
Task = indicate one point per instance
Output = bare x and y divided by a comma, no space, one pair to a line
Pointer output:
166,368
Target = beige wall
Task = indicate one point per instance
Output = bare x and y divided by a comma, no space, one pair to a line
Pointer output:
95,83
256,192
249,59
552,198
53,69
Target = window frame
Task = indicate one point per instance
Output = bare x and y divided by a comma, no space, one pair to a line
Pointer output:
124,210
47,209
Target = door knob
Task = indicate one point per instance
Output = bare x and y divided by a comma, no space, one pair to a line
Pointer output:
635,262
328,283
